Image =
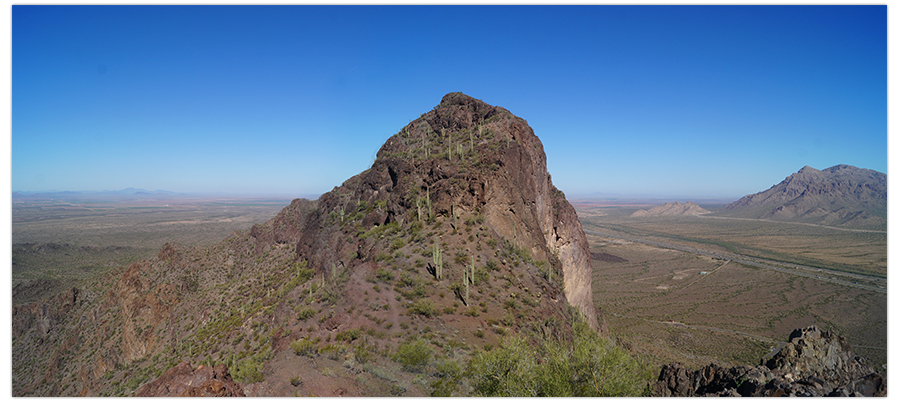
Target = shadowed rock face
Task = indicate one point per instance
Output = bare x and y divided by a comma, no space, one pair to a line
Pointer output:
813,363
842,195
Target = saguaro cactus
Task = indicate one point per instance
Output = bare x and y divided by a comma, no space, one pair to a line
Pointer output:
438,257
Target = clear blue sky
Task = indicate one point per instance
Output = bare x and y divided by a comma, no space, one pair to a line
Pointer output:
691,101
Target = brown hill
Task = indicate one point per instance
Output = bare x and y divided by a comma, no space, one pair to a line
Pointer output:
671,209
842,195
454,239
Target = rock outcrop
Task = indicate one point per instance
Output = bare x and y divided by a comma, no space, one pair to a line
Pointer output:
464,158
842,195
184,381
671,209
813,363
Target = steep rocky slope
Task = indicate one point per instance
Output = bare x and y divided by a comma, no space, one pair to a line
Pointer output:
671,209
842,195
455,236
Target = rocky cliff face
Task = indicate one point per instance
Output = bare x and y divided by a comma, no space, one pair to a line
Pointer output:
813,363
842,195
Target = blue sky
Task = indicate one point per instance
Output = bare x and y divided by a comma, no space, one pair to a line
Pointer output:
694,101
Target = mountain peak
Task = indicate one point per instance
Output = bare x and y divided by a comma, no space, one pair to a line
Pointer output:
467,159
840,195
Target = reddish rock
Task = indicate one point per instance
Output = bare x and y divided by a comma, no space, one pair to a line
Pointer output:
184,381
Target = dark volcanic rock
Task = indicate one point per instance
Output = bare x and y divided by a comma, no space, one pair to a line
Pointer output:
814,363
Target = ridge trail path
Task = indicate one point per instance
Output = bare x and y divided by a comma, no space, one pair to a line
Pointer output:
870,283
793,223
706,328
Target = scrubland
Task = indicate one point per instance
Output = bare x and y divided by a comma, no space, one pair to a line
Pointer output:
674,305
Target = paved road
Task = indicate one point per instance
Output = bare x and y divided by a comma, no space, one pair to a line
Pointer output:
794,223
870,283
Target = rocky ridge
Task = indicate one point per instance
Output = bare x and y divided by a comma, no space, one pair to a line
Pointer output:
842,195
456,233
813,363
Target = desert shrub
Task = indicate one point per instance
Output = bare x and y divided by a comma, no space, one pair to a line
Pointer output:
449,374
383,275
249,369
461,258
305,313
413,356
305,346
588,366
333,351
424,307
505,371
349,335
363,352
397,243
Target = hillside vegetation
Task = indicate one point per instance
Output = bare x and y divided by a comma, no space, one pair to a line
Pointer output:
423,275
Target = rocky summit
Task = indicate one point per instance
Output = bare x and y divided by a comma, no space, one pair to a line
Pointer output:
453,240
812,363
842,195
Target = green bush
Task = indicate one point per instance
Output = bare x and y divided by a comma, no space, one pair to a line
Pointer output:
383,275
413,356
305,346
589,366
506,371
249,369
305,313
397,243
348,335
424,307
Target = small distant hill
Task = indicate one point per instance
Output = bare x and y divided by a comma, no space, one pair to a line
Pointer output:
842,195
671,209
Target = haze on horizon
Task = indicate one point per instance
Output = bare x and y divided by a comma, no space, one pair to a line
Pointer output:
681,101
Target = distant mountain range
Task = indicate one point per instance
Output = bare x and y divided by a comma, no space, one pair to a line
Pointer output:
127,193
842,195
